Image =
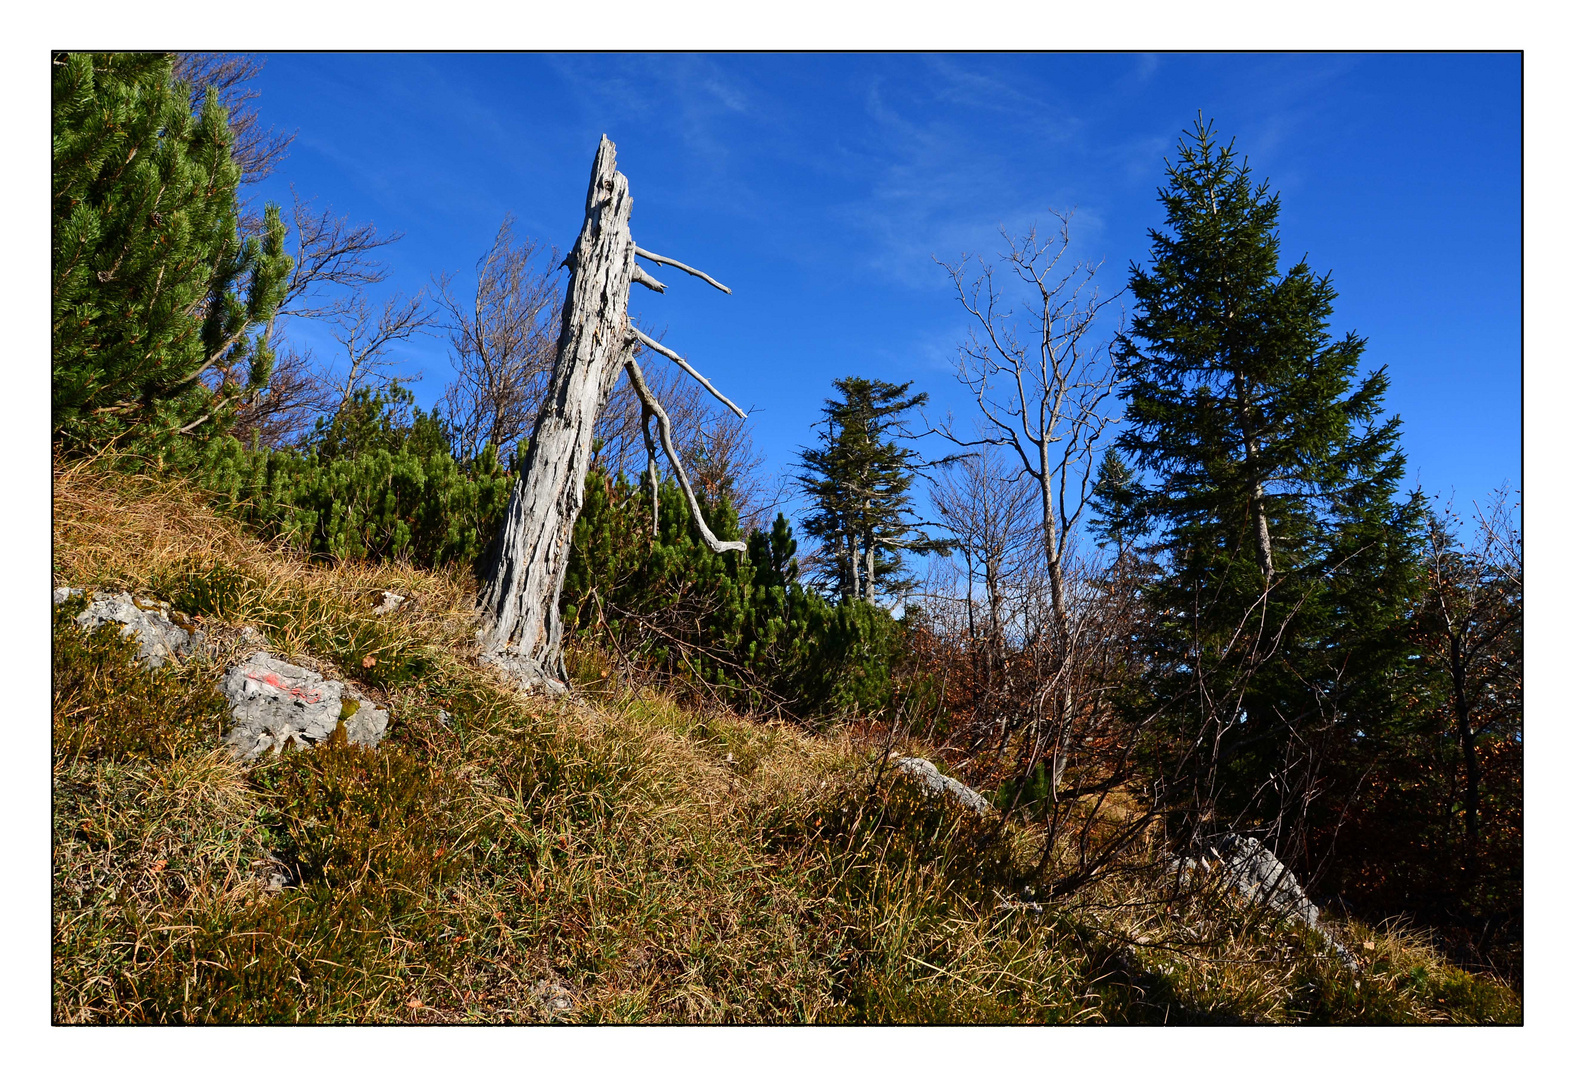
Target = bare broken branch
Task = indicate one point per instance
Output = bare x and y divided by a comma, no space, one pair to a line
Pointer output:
665,430
646,279
665,261
656,346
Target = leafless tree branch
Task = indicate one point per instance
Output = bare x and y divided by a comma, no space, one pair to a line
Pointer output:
656,346
503,339
665,261
665,430
366,338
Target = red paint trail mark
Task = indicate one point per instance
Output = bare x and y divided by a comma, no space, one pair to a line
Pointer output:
311,697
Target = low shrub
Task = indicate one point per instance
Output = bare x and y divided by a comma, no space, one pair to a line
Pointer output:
105,705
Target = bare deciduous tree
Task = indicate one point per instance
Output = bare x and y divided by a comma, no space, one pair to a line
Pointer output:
1473,622
522,626
1041,388
366,335
722,455
333,260
333,264
991,512
502,337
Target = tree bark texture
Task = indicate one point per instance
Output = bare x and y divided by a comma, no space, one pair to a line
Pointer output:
1055,567
522,631
520,600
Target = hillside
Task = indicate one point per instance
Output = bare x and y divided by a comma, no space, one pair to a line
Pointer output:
619,857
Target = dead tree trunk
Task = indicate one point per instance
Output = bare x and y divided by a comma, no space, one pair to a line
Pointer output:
522,631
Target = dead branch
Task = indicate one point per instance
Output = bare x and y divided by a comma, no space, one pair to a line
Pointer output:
665,261
641,277
657,346
665,430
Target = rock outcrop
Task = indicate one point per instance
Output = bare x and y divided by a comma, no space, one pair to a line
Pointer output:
931,779
1250,868
160,633
274,704
554,1000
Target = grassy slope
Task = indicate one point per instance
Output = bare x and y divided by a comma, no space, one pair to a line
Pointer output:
657,862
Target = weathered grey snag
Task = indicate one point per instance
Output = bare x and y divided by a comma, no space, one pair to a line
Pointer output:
522,632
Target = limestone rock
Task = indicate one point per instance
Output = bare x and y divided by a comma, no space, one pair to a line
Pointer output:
160,637
274,704
930,778
1256,873
1250,868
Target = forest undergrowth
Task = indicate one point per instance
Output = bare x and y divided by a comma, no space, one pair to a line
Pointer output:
623,856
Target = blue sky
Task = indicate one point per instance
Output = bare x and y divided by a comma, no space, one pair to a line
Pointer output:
820,186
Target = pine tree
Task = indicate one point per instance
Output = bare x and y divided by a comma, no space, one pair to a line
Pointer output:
156,295
376,482
858,478
1270,480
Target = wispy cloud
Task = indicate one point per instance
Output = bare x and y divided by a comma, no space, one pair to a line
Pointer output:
954,156
1144,69
691,97
1285,98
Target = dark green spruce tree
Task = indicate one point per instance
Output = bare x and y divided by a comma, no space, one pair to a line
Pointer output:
1118,505
858,480
158,303
1269,480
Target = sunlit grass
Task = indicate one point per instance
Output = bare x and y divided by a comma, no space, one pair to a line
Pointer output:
655,861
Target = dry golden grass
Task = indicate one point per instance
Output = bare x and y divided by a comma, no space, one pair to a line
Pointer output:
656,862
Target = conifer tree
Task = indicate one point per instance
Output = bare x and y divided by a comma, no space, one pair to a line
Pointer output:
1117,504
157,298
1270,480
858,479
